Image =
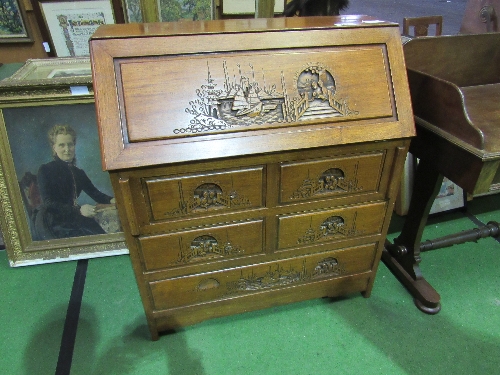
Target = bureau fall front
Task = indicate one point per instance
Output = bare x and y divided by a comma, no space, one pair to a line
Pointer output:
254,162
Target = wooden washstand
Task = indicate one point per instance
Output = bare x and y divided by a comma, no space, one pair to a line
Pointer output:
455,90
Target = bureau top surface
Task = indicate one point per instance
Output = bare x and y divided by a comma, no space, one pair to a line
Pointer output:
133,30
188,91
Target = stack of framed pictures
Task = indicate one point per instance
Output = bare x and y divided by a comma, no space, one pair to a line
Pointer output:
46,109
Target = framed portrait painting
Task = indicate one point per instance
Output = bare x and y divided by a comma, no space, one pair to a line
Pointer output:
67,26
56,201
13,26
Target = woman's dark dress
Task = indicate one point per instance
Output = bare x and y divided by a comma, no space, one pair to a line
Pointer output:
60,183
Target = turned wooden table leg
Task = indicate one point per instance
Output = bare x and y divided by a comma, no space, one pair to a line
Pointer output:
403,256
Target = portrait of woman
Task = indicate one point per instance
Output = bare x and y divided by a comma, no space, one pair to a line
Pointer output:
64,189
60,183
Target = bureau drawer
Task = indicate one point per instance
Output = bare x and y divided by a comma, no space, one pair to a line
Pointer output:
330,225
329,177
179,196
202,245
196,289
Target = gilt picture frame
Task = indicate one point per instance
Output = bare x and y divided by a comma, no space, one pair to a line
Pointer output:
50,72
24,124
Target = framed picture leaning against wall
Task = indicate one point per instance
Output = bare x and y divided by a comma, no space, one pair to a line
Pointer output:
56,201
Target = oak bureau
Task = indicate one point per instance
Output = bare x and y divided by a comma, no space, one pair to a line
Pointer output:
254,162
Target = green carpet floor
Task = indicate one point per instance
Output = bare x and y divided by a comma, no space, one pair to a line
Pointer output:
384,334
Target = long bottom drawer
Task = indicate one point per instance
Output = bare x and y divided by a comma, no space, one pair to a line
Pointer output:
170,320
231,283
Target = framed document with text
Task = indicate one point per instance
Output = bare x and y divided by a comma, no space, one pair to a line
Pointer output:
67,25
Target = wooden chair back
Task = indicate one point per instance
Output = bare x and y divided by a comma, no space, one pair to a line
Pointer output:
421,25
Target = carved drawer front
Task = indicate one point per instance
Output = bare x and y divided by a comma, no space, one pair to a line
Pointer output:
330,225
180,196
331,177
202,245
196,289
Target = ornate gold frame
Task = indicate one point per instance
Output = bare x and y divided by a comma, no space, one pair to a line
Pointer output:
21,248
48,77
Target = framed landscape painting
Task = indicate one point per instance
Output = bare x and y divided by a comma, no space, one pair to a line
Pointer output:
13,27
192,10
